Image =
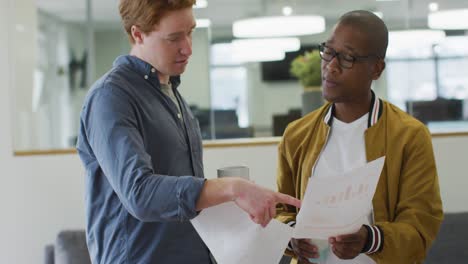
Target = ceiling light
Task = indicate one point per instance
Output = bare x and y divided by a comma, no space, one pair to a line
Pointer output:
245,55
237,52
201,4
278,26
272,49
455,19
283,44
433,6
203,23
287,10
221,54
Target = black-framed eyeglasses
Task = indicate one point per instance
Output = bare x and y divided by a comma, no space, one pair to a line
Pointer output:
345,60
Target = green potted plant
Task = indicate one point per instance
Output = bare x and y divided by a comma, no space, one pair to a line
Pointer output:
307,68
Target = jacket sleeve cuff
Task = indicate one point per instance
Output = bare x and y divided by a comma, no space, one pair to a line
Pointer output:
374,241
291,224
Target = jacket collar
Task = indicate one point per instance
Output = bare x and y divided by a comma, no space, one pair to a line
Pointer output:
375,111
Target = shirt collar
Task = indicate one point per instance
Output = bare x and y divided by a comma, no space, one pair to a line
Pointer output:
144,69
375,111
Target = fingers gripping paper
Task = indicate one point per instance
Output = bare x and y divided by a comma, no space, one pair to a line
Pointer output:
331,206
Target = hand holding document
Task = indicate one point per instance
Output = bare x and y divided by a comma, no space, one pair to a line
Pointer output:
331,206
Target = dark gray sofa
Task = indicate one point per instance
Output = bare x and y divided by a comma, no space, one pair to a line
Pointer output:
451,244
69,248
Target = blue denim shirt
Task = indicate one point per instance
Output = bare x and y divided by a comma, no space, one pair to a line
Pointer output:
144,170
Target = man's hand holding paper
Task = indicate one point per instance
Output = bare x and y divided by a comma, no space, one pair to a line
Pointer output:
332,208
350,245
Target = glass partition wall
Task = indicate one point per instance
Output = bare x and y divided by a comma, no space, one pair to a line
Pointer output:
59,48
51,61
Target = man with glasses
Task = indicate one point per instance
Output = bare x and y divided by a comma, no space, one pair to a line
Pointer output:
356,127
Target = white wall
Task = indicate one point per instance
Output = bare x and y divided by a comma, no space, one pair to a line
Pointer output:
53,121
24,18
25,33
452,161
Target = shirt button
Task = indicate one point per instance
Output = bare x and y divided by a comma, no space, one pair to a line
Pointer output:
153,70
179,116
146,77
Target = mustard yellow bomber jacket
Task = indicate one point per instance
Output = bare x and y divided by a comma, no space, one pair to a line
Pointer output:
407,204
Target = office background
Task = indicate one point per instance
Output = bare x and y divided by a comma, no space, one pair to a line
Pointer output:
41,195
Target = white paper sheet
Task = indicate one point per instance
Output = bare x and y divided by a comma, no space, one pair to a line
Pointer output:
331,206
337,205
233,238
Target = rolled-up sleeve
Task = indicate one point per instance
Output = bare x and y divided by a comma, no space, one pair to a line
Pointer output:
110,122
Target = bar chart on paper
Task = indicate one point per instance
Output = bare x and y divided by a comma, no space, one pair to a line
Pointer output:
350,192
338,205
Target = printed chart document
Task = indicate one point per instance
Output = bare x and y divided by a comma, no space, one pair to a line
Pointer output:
336,205
234,238
331,206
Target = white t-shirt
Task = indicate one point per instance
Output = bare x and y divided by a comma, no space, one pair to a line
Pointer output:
345,150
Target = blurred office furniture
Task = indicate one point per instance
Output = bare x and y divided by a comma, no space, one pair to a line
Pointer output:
226,124
281,121
465,109
203,117
437,110
69,248
450,245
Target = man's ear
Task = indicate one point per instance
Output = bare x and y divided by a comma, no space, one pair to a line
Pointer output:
137,34
379,67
